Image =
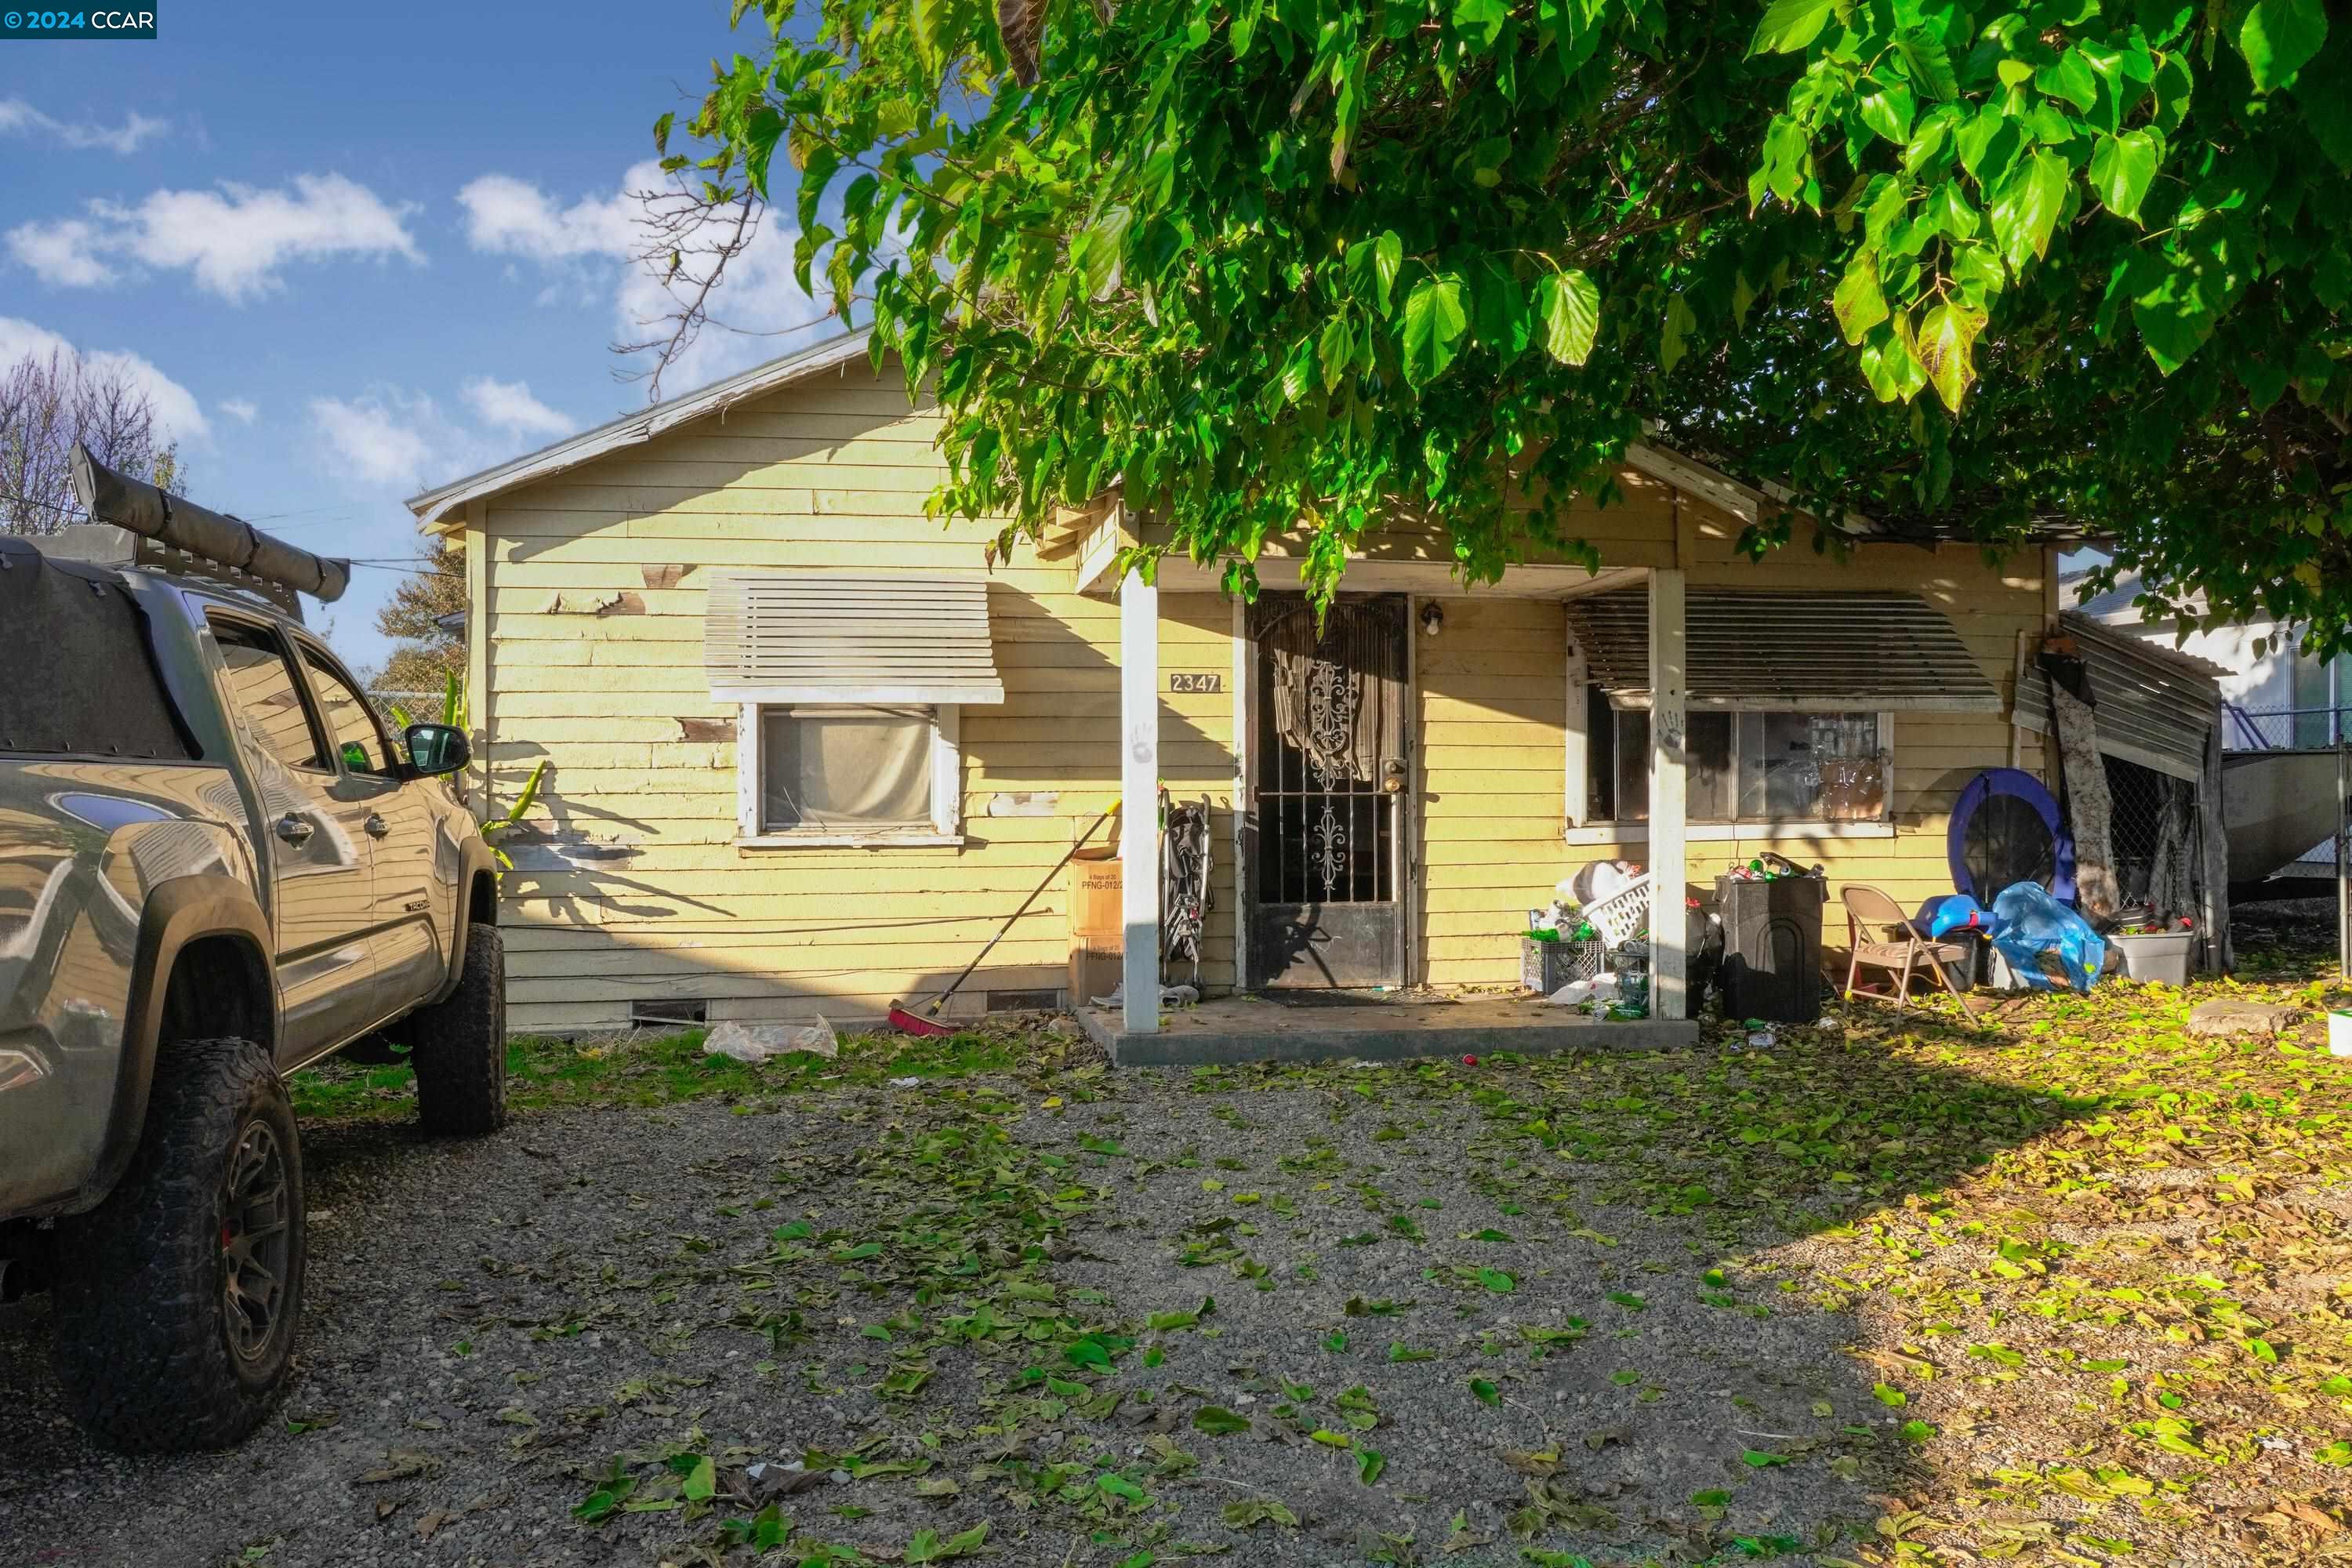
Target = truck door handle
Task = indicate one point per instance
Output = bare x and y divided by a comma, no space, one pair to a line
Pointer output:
376,825
294,830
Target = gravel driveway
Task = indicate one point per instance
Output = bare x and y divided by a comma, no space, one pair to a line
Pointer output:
1456,1315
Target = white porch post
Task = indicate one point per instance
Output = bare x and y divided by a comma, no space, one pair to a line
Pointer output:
1139,778
1669,798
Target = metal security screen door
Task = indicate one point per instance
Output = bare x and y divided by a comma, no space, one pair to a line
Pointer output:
1330,787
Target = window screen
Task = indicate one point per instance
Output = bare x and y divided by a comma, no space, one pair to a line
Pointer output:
357,740
262,685
845,768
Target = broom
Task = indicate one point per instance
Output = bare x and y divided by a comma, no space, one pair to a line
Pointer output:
908,1022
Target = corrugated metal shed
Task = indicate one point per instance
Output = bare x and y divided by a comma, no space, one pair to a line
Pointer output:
848,636
2154,706
1755,648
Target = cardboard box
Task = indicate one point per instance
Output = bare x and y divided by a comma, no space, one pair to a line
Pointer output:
1095,971
1096,894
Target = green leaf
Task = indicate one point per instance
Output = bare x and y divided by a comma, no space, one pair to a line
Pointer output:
2121,168
1112,1484
2339,1453
1859,302
1788,25
2278,39
1388,259
1400,1351
1330,1439
1888,113
1259,1510
2072,78
1761,1459
1335,349
1370,1463
1434,324
927,1546
1336,1340
1486,1390
1497,1281
1481,20
1889,1395
1713,1498
2026,207
1569,303
1218,1421
1946,350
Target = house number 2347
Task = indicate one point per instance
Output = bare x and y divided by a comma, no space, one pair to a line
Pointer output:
1179,681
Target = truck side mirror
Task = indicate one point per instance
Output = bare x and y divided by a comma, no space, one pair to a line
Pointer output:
436,749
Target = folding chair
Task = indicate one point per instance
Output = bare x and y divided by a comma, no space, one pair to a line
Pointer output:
1903,950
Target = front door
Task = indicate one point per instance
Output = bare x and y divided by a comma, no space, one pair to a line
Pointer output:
1330,787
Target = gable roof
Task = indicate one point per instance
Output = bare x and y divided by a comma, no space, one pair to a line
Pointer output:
434,508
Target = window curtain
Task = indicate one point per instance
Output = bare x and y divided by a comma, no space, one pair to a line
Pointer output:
845,768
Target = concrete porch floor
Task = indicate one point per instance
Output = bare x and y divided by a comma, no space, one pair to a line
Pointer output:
1252,1029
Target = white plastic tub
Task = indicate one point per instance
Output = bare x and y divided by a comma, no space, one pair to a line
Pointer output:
2160,958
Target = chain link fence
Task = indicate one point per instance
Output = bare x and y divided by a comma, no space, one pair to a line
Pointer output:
2157,834
2280,729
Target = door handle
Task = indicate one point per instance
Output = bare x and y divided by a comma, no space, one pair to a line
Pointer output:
294,830
376,825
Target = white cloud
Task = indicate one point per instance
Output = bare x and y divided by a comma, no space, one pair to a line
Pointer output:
508,405
239,409
178,416
16,116
592,244
507,216
233,240
382,440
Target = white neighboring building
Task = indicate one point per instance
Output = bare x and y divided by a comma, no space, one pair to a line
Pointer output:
2281,697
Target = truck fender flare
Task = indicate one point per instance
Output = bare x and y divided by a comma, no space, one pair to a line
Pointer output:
474,859
177,912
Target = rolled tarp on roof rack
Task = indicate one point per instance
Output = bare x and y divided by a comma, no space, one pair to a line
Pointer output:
182,524
1803,652
848,637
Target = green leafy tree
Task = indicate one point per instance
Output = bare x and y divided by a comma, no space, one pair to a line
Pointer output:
1293,267
425,652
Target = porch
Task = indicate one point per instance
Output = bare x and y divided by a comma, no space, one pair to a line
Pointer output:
1233,1029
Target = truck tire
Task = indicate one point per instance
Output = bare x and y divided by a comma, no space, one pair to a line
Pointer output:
177,1297
459,1047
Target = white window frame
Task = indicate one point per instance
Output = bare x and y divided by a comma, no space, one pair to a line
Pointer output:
1578,791
947,786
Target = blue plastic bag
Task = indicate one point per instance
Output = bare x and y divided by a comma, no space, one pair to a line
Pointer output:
2046,943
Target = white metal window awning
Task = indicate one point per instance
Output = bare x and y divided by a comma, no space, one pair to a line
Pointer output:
2150,705
848,637
1757,649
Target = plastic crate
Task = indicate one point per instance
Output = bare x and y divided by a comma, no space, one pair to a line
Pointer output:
2159,957
1546,966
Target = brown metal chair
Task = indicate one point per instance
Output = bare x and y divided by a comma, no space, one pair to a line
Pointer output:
1903,950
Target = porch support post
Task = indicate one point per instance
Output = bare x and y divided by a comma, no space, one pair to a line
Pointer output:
1669,798
1139,778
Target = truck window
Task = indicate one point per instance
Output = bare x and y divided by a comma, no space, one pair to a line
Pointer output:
348,718
263,686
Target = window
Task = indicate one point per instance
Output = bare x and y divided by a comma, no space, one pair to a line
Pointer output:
1742,767
262,685
349,720
836,773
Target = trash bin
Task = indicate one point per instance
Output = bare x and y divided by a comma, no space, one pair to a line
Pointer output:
1771,947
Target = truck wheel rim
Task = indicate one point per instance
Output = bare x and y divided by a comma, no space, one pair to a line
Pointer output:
257,1241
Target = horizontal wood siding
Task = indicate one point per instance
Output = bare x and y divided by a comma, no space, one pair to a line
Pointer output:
632,887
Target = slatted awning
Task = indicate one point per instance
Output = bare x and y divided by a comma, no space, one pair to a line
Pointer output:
1755,648
2150,705
848,637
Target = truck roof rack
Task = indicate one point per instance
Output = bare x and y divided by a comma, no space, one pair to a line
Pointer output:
134,524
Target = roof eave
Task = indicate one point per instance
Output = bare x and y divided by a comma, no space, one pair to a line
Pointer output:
439,511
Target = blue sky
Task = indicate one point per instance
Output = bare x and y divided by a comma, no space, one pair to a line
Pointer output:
356,250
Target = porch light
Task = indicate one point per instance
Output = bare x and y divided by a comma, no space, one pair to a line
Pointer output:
1433,619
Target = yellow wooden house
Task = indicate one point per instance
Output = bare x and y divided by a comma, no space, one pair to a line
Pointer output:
808,748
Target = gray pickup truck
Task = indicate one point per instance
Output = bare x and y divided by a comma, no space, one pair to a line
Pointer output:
215,868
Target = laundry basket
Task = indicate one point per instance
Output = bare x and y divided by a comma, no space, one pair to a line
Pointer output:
1623,914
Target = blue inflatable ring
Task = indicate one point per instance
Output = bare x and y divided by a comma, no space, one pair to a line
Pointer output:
2024,787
